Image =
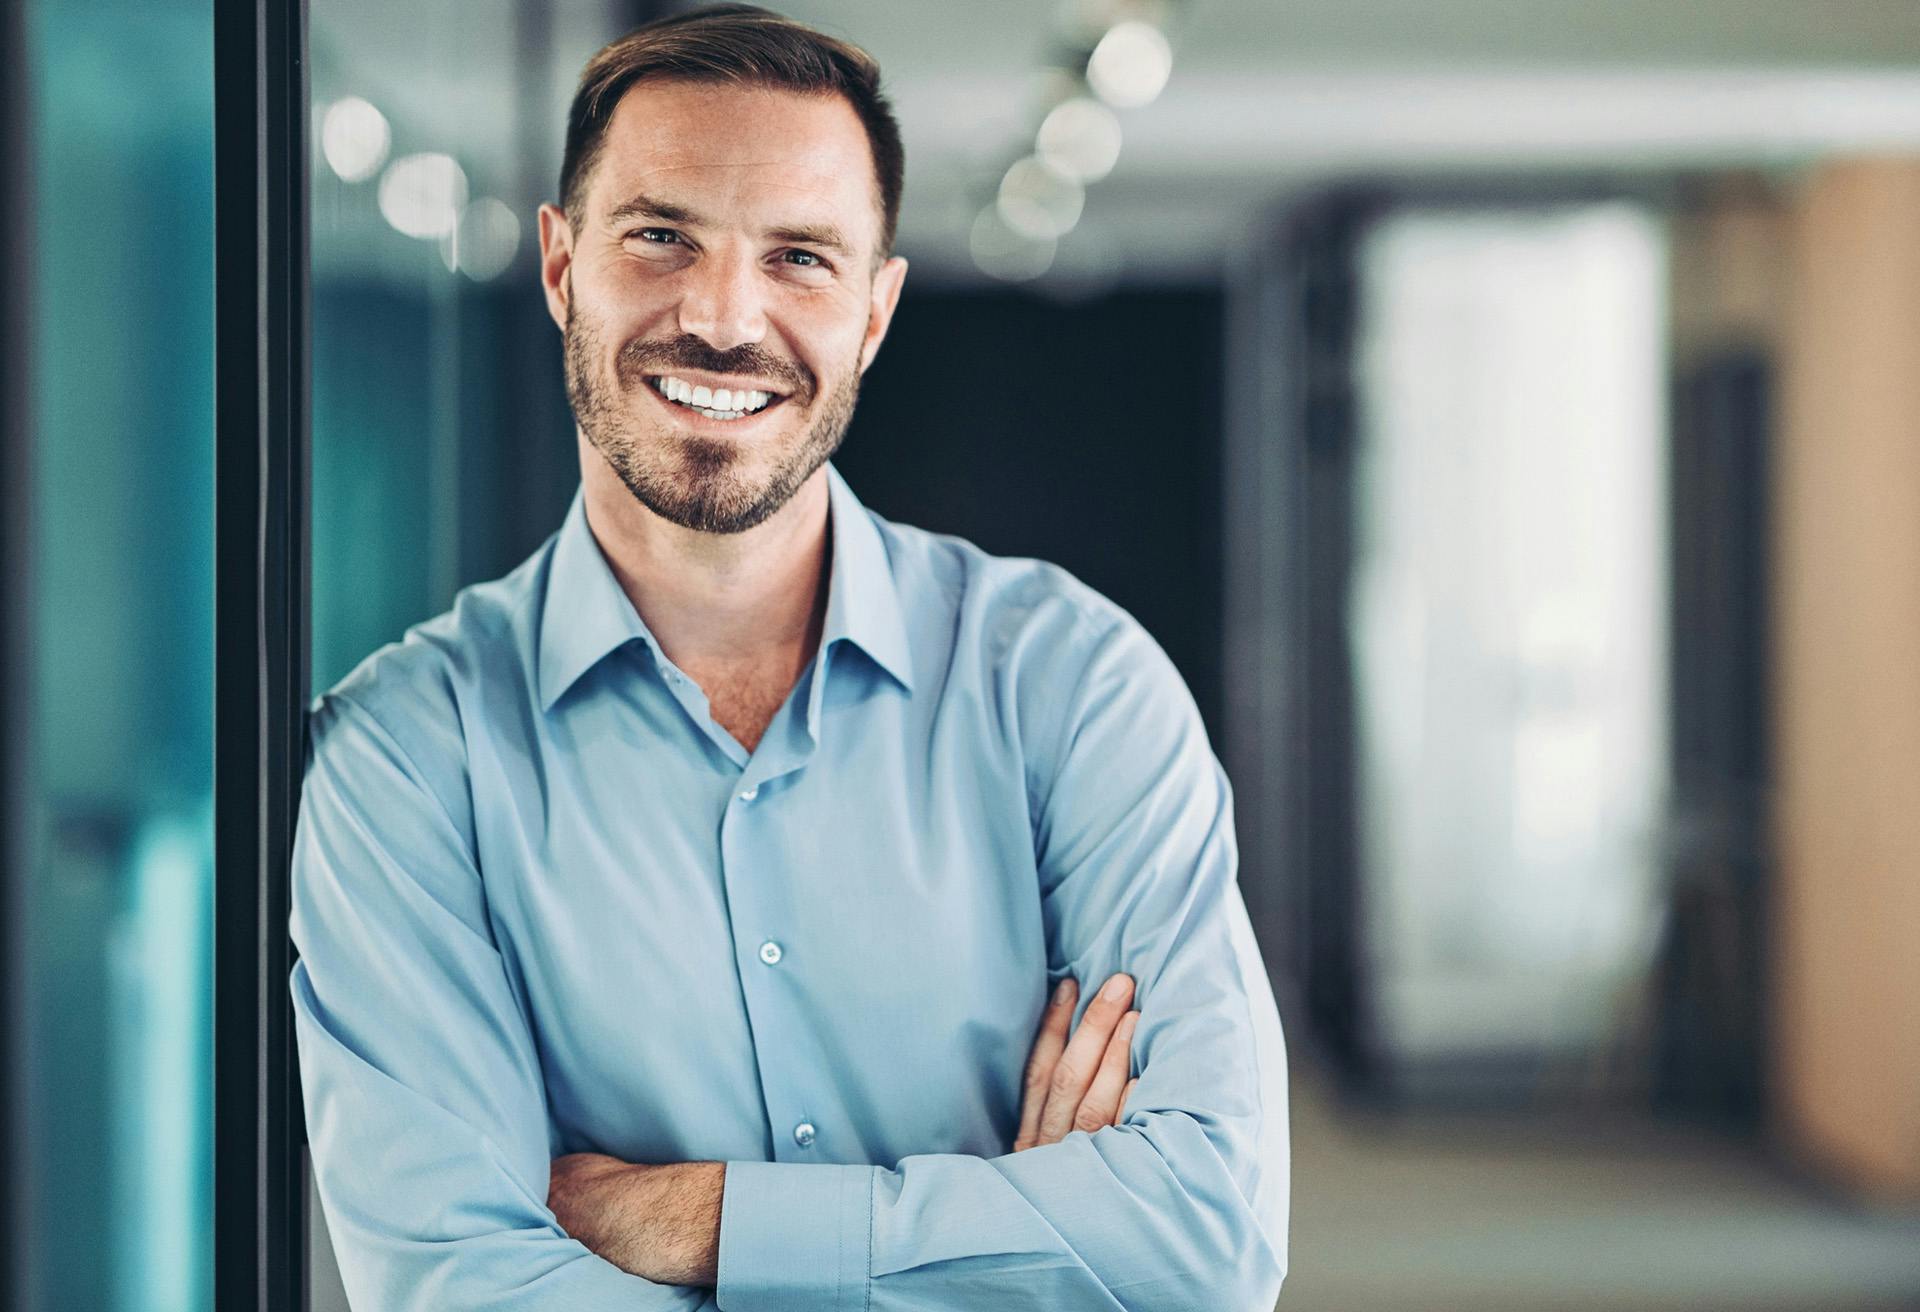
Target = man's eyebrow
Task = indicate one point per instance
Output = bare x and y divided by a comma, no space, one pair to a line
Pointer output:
824,234
650,207
647,207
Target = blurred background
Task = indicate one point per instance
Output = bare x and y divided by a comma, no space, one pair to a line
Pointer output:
1506,416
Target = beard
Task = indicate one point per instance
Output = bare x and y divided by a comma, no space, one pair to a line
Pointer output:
701,483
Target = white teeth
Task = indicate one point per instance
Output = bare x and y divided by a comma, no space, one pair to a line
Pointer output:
717,403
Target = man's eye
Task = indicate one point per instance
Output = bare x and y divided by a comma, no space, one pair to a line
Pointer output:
806,260
659,236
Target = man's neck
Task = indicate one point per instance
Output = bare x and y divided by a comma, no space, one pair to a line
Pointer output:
718,602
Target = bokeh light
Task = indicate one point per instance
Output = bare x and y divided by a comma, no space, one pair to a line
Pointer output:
354,138
1003,252
1080,139
1038,202
422,195
484,242
1131,64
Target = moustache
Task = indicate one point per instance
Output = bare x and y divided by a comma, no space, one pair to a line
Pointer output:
653,356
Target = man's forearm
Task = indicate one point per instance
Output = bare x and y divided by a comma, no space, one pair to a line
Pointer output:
661,1223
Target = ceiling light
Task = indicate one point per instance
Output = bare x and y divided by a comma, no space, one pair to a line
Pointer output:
1080,139
1004,253
1130,65
1038,202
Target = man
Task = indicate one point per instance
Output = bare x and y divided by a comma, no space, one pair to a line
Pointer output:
677,913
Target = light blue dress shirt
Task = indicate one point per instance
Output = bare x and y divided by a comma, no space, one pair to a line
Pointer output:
545,904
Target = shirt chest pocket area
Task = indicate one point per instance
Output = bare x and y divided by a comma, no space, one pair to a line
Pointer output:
940,960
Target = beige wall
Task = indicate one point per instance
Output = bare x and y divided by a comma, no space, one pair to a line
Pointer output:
1847,686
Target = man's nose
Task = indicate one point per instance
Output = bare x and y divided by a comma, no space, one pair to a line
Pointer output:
722,303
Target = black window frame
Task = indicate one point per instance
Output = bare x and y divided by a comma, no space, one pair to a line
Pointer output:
261,298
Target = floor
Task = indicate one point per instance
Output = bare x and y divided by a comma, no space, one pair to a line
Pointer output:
1578,1213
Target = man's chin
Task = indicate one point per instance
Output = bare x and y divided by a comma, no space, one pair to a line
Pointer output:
709,492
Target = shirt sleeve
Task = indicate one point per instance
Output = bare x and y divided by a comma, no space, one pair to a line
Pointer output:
425,1107
1182,1206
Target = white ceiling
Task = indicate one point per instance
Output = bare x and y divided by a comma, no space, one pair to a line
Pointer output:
1267,96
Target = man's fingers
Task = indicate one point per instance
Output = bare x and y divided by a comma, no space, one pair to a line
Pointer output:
1103,1095
1074,1072
1126,1096
1047,1047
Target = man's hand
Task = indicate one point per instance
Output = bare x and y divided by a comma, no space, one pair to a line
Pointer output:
661,1223
1082,1084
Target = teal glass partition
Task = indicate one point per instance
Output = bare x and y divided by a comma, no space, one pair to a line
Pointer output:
120,905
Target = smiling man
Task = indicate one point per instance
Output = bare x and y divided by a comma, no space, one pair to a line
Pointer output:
694,917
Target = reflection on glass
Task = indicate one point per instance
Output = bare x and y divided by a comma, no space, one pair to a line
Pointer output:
1510,643
442,447
121,906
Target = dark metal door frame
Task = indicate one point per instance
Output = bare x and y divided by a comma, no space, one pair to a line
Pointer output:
260,641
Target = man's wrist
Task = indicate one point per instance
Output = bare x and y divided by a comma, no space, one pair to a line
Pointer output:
682,1221
661,1223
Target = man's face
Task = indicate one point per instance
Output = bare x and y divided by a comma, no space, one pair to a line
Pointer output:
721,293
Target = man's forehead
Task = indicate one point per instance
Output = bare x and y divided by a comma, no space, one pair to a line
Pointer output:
787,157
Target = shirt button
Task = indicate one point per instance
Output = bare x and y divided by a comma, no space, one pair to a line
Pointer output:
748,794
803,1134
770,953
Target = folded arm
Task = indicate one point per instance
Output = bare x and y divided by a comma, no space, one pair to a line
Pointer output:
425,1107
663,1222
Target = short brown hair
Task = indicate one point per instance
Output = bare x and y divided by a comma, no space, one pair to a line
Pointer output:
734,43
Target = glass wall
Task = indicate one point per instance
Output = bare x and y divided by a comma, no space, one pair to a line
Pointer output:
120,908
442,446
442,450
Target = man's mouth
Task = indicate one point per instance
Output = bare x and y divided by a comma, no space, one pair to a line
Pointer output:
712,402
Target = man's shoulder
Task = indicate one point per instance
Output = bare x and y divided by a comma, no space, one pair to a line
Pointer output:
1045,652
1033,640
1003,602
415,689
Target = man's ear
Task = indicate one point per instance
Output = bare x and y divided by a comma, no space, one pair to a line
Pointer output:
886,295
556,257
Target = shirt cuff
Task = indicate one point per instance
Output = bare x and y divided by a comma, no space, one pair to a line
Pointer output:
795,1237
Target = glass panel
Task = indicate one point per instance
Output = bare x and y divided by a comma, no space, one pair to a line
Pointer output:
1510,643
442,445
121,907
442,450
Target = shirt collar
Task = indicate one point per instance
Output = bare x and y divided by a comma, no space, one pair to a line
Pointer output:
586,614
863,605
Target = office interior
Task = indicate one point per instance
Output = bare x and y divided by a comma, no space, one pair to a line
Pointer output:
1506,417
